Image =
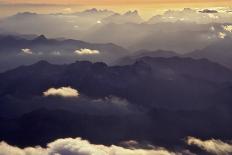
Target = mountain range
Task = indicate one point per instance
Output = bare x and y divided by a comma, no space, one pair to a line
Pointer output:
153,95
17,50
129,30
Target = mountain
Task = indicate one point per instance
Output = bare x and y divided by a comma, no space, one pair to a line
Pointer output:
219,51
189,15
128,17
15,51
147,82
145,53
70,25
165,36
95,13
153,95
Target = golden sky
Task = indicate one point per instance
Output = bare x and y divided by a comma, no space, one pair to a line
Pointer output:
147,8
110,2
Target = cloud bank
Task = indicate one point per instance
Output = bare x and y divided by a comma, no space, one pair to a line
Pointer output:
63,92
77,146
212,146
86,51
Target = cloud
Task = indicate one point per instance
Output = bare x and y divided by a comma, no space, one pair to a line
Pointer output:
212,146
85,51
56,53
99,22
68,10
77,146
63,92
212,16
221,35
6,149
212,28
228,28
114,100
27,51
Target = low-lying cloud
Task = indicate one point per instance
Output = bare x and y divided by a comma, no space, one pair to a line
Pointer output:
214,146
221,35
228,28
26,51
63,92
86,51
77,146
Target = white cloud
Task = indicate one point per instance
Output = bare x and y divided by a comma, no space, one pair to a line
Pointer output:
228,28
213,16
212,28
212,146
27,51
6,149
76,26
63,92
77,146
221,35
85,51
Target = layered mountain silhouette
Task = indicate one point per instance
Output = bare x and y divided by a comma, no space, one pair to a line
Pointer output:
184,95
148,81
17,50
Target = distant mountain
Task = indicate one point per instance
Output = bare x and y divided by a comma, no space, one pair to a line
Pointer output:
189,15
165,36
219,51
145,53
95,13
16,43
15,51
127,30
128,17
70,24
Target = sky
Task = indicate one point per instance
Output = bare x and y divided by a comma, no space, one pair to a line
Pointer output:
147,8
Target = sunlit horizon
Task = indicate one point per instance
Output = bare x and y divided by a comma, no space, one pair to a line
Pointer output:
146,9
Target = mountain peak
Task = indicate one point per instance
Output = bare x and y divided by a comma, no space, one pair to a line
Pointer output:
40,38
129,13
41,63
26,14
93,10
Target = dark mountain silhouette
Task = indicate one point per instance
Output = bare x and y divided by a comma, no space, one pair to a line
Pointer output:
182,95
186,81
